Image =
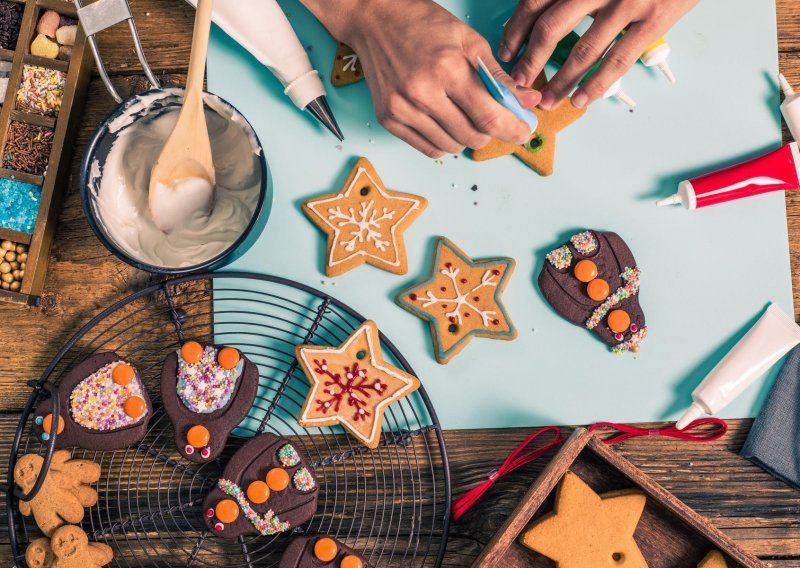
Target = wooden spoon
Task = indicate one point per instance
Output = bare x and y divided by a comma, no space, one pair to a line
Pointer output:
182,180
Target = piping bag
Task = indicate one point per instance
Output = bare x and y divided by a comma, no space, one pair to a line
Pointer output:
272,41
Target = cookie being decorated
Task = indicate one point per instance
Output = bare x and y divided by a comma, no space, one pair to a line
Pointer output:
103,405
539,151
346,66
207,391
713,559
364,222
461,299
352,385
586,529
317,551
593,282
267,488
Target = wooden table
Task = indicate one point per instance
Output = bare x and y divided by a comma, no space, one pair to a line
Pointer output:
760,513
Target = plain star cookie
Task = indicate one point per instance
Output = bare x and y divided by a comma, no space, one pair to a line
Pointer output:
352,385
713,559
364,222
346,66
539,151
460,299
586,529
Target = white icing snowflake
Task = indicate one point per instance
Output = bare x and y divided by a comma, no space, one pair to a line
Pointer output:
366,225
462,299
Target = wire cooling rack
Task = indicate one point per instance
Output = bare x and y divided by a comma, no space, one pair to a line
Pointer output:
391,503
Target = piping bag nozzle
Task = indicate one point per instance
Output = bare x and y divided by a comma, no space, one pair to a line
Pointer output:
321,111
505,97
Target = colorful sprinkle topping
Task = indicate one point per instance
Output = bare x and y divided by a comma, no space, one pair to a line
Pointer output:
585,242
98,403
41,90
560,258
632,344
288,456
205,386
267,525
303,480
631,278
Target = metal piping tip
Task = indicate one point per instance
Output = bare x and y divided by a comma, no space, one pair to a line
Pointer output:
322,112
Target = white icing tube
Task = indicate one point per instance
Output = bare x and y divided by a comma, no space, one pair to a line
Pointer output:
261,27
770,338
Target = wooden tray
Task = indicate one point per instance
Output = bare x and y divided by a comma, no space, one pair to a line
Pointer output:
55,181
669,534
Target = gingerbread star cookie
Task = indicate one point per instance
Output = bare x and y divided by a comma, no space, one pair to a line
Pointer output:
346,66
540,150
586,529
461,299
365,222
713,559
352,385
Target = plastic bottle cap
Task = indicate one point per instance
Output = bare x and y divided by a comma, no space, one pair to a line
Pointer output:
694,412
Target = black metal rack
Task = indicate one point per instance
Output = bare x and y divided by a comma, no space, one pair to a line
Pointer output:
391,503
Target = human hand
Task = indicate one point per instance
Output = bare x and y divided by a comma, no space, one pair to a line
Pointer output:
543,23
420,64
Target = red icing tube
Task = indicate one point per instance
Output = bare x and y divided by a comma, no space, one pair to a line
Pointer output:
777,171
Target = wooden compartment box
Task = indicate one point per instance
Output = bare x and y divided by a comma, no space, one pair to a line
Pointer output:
54,180
669,534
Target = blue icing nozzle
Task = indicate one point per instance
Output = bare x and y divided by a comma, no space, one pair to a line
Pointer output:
505,97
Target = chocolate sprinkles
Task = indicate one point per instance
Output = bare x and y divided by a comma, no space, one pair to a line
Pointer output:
27,148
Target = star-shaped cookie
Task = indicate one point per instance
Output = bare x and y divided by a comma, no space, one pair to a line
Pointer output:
713,559
346,66
461,299
586,529
352,385
364,222
539,151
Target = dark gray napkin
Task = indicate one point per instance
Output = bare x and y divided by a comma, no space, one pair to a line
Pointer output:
774,439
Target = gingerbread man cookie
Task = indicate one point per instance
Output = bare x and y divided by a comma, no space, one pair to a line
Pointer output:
460,299
364,222
352,385
39,554
316,551
713,559
346,66
539,151
72,549
586,529
64,493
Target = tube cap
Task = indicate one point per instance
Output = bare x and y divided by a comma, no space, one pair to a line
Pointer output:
694,412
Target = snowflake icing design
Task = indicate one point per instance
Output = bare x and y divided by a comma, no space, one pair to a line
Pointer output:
353,389
465,299
366,225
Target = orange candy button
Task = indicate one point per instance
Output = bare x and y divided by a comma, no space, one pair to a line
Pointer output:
198,436
47,423
257,492
228,357
325,548
585,271
351,561
191,351
122,374
134,406
597,289
619,321
227,510
277,479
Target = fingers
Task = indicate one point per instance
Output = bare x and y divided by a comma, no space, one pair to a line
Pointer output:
550,27
415,126
518,27
459,126
585,55
615,63
413,138
527,97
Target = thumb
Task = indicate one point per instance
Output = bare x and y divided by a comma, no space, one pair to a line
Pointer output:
526,96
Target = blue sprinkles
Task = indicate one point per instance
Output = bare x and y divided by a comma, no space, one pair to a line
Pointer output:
19,205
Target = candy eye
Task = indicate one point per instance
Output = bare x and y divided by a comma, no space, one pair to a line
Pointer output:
188,449
210,513
634,328
205,452
619,336
219,527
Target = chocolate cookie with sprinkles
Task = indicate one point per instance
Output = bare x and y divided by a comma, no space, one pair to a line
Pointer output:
593,281
102,405
207,391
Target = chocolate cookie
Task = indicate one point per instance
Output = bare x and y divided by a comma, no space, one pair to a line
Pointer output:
102,405
593,281
267,488
319,551
207,391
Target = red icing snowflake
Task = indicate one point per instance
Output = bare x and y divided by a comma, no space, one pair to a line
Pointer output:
354,388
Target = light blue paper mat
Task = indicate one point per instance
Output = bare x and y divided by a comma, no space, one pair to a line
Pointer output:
706,274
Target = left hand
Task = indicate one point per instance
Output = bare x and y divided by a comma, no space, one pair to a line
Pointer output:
543,23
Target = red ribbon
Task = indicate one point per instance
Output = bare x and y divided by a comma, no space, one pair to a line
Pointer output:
513,461
694,432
